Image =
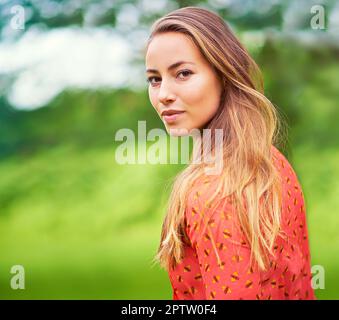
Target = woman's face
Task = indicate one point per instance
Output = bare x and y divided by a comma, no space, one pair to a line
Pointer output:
183,87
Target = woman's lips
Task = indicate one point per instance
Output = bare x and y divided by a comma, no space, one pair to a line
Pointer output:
173,117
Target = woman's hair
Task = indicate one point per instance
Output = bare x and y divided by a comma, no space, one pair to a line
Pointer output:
250,125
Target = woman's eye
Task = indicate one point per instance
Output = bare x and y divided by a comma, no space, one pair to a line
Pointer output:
185,73
150,80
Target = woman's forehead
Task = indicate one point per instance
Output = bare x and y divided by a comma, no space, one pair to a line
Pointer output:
167,48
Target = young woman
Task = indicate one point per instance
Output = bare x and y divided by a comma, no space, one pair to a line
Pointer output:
240,234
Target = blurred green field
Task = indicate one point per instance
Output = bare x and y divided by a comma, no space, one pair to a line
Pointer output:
83,229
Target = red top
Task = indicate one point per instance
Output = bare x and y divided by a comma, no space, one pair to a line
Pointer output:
201,276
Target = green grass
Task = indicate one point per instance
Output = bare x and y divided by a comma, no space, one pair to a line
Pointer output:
318,171
84,227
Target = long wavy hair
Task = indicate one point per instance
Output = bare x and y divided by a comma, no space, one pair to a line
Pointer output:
251,124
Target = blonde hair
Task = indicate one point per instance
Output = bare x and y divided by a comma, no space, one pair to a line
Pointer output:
251,124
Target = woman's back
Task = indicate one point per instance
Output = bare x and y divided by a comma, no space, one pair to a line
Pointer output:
201,275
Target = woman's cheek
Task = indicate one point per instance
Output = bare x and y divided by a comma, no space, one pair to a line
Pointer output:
153,100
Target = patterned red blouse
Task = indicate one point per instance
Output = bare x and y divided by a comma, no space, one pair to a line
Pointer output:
202,276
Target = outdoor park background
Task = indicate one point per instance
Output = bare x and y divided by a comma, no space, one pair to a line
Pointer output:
85,227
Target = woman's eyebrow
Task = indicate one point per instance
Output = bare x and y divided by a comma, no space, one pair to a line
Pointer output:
171,67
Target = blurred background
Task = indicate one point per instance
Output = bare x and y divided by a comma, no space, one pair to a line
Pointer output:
72,73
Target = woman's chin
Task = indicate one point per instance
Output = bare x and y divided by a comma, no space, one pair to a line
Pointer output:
177,131
183,131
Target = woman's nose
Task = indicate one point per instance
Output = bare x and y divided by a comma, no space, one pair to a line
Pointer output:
165,94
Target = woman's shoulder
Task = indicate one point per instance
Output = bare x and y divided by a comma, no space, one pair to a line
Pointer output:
207,182
284,167
205,186
202,188
293,201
